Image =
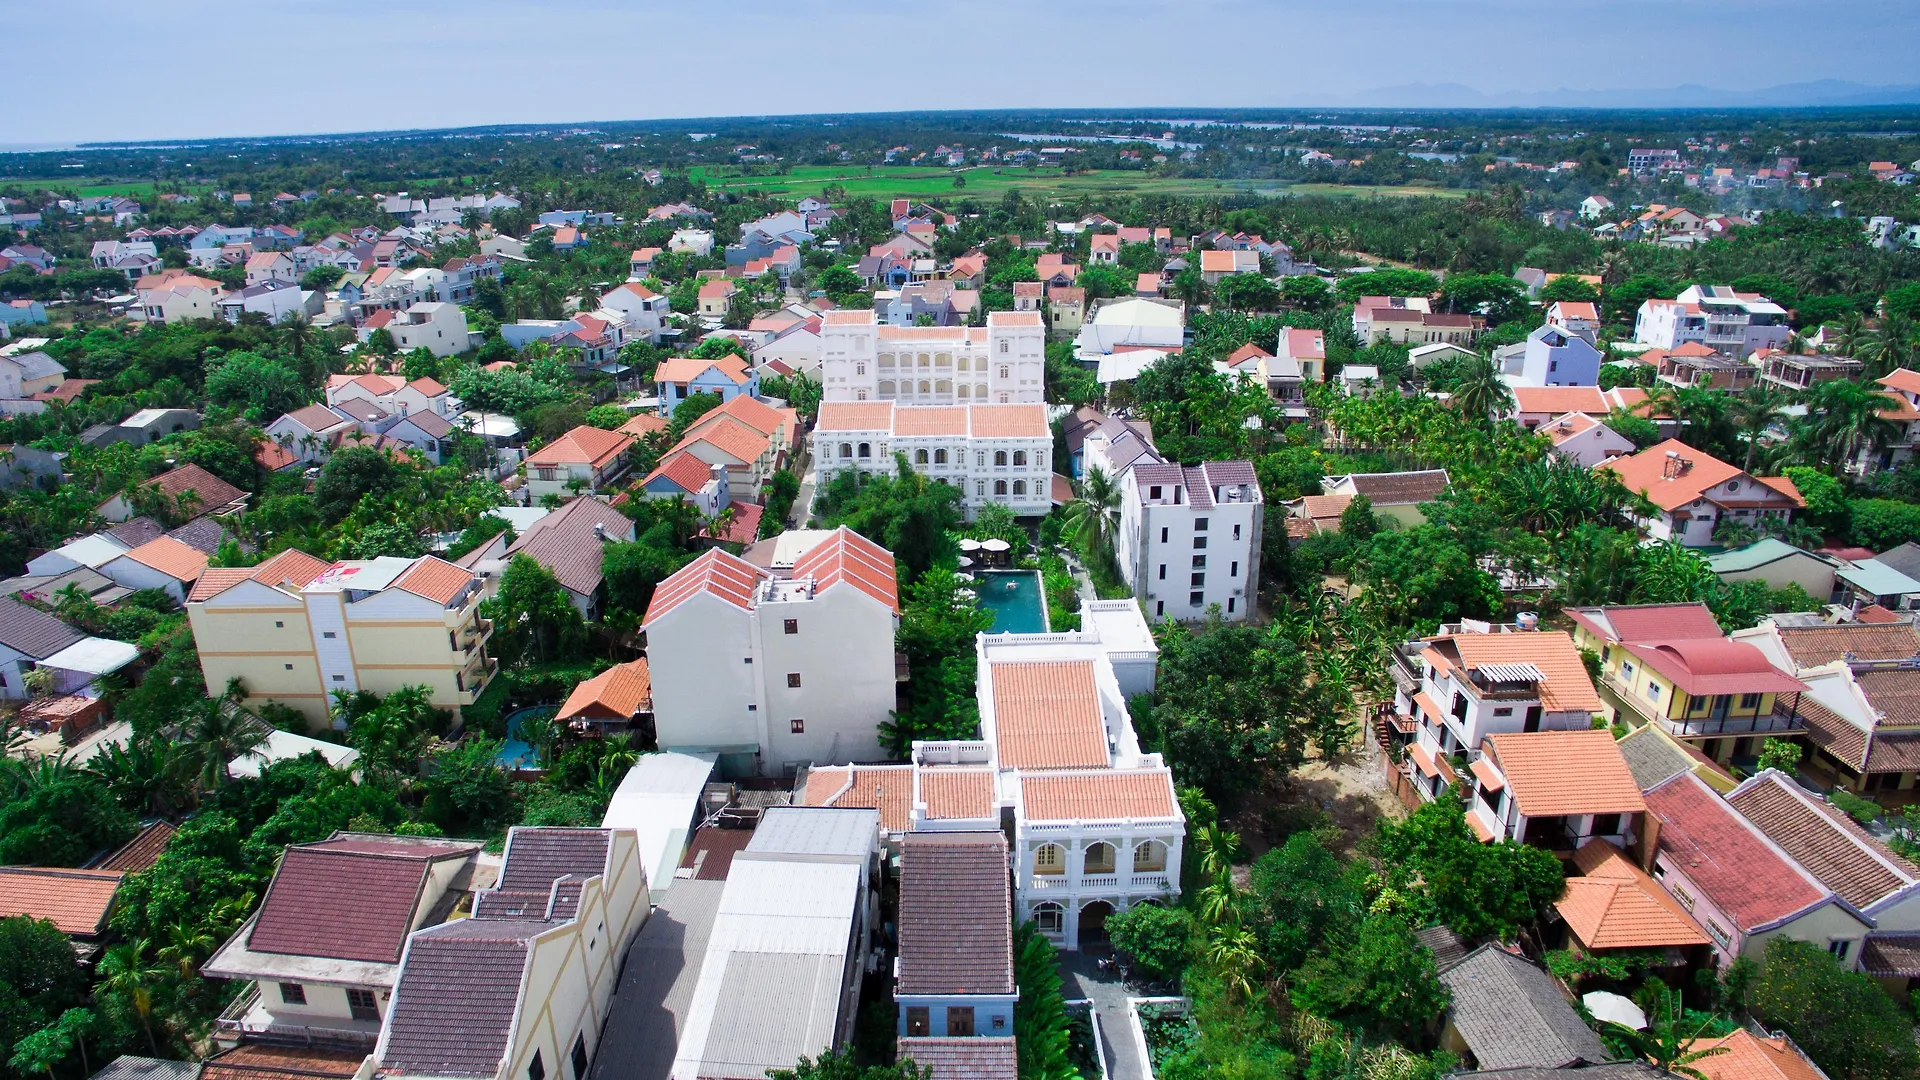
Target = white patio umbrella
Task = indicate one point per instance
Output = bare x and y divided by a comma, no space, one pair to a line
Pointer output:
1612,1007
964,561
996,544
969,544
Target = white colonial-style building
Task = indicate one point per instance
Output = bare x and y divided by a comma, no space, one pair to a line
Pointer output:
1002,363
994,453
1189,537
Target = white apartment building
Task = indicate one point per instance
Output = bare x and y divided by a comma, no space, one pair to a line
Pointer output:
1734,323
1001,363
1189,537
440,328
994,453
774,672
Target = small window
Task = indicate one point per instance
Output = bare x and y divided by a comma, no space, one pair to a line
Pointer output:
339,678
1236,532
360,1005
1159,608
289,667
328,634
753,708
1233,570
1163,534
278,625
793,680
959,1021
1199,562
1199,524
1199,580
1839,949
1163,571
580,1056
1506,711
1199,543
1230,605
1195,599
1749,701
793,626
293,994
797,726
536,1069
1153,492
919,1022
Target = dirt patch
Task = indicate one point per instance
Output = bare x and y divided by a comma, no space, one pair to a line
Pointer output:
1349,792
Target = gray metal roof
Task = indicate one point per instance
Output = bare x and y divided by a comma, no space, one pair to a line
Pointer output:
816,830
1612,1070
650,1007
773,1009
1512,1015
129,1067
32,632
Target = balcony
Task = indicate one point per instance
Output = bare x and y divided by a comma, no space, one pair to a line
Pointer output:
1702,725
248,1020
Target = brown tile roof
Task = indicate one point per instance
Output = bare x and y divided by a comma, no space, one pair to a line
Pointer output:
1811,646
141,852
957,794
1885,955
1565,686
716,573
1106,795
1752,1057
317,418
213,492
1401,488
582,446
259,1061
435,579
1614,905
170,557
956,914
1047,715
453,1006
615,694
565,542
847,557
537,856
886,788
979,1057
1822,840
347,905
1555,773
74,901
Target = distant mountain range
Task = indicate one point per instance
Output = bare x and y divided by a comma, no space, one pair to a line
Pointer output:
1818,94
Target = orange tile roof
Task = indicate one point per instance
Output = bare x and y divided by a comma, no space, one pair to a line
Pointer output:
74,901
1751,1057
645,423
1106,795
616,693
1555,773
171,557
687,472
848,557
216,580
716,573
1009,421
1645,472
684,369
886,788
1565,686
1615,905
731,437
212,491
272,456
929,420
429,387
582,446
1047,715
957,794
849,318
435,579
1903,379
1559,399
854,415
750,411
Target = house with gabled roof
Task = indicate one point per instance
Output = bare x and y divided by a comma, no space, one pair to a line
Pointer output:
571,544
321,954
681,377
162,563
310,432
1560,790
1612,905
953,976
589,457
187,491
1692,492
77,902
1860,714
773,672
1508,1014
1747,1055
610,701
1397,495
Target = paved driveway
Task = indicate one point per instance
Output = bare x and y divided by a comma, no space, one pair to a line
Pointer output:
1081,978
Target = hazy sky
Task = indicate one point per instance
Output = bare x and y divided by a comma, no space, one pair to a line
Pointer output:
119,69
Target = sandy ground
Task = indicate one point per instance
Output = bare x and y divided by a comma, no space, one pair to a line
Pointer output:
1350,791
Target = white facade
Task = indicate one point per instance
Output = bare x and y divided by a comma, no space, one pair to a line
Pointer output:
1552,356
1729,322
1002,363
772,673
994,453
1189,538
439,328
644,309
1156,324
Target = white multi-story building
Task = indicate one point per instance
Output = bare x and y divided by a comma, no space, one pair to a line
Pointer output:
994,453
1728,322
1002,363
773,672
1189,537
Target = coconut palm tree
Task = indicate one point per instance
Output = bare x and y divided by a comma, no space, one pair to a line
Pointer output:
1669,1038
217,732
126,972
1895,343
1846,419
1752,412
1094,515
186,945
1233,951
1481,393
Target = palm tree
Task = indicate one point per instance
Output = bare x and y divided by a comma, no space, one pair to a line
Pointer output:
1846,419
1753,412
1667,1042
1895,343
125,971
1233,952
1481,393
1219,850
218,732
1094,515
186,944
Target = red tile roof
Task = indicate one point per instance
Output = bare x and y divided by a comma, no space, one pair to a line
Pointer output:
74,901
1047,715
1649,622
435,579
1709,666
849,558
1103,795
1726,857
1615,905
957,794
1752,1057
886,788
347,905
686,471
170,557
1560,773
615,694
716,573
582,446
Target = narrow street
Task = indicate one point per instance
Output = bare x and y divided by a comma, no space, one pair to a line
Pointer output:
1081,978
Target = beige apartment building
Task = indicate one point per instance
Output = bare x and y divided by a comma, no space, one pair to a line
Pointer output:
295,629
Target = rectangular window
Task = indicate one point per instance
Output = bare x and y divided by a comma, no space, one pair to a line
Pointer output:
1198,581
918,1023
1163,535
1153,491
1195,599
1749,702
1236,532
1230,605
1199,524
580,1056
278,625
1163,571
293,994
1159,608
1199,543
1507,711
1233,570
959,1021
793,626
536,1069
289,667
360,1004
793,680
339,678
797,726
1199,562
1839,949
746,659
328,634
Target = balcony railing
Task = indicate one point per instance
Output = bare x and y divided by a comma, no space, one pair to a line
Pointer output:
244,1021
1702,726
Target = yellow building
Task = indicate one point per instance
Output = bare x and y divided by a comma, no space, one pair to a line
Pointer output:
295,629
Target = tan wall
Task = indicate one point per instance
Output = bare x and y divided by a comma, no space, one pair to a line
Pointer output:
1824,924
256,645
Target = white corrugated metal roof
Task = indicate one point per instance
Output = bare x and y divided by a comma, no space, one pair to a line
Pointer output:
816,830
658,799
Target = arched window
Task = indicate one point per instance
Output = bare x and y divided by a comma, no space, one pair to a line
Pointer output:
926,387
1049,917
964,391
1050,859
1019,487
919,457
999,487
925,360
940,456
866,450
886,388
1149,857
846,450
1098,859
1000,458
980,391
1019,457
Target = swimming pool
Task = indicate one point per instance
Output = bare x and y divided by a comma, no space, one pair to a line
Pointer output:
516,752
1016,599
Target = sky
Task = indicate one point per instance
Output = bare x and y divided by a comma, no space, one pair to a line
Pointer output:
120,69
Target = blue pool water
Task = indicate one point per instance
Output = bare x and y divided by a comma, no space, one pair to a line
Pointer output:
515,752
1015,599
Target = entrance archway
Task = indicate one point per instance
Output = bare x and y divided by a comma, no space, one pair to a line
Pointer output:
1093,923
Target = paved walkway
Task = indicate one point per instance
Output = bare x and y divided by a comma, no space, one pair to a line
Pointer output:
1080,978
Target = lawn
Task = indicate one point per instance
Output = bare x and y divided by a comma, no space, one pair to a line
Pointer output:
906,181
